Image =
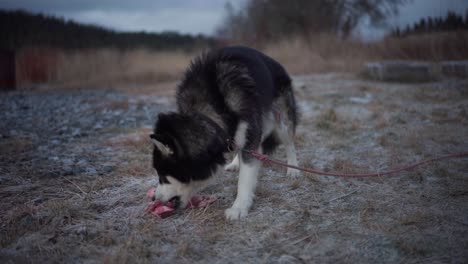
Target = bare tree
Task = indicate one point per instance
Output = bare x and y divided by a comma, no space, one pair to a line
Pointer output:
265,20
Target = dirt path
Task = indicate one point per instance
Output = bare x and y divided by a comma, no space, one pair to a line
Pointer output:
75,166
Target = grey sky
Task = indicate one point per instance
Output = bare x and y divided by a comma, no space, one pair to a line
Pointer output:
191,16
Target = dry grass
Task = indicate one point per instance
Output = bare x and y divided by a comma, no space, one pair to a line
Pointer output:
111,68
319,54
139,147
108,68
138,141
425,47
327,119
14,146
344,166
328,53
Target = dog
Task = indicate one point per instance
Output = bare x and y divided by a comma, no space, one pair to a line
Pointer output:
231,96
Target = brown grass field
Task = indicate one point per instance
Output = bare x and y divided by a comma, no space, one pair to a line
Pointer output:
133,69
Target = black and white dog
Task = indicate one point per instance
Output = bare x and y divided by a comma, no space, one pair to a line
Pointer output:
235,93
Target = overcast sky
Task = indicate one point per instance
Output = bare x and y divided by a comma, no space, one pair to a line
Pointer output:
187,16
190,16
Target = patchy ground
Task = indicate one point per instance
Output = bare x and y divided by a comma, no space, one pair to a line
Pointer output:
75,167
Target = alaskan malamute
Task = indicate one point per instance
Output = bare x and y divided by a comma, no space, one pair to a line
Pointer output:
233,94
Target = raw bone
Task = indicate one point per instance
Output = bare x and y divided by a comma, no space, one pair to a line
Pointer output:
166,209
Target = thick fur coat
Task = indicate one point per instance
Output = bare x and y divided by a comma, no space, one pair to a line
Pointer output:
235,93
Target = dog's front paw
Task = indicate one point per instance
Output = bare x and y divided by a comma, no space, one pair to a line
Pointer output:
236,213
293,173
234,166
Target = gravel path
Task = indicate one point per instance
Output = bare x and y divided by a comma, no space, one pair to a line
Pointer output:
54,123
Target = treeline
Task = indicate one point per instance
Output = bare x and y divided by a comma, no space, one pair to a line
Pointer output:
266,21
452,22
21,29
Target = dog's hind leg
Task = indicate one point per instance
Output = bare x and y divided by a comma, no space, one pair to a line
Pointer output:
240,140
286,126
287,138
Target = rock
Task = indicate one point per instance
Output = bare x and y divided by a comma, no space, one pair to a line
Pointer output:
400,71
413,71
67,162
68,170
43,148
98,126
353,112
108,169
288,259
361,100
91,171
458,69
76,132
54,158
82,162
38,201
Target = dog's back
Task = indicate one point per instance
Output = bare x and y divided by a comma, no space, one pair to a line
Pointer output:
229,83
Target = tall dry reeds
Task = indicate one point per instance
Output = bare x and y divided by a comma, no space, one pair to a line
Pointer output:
104,68
109,67
97,68
426,47
330,53
318,54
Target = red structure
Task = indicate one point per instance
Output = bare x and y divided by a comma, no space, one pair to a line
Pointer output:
7,70
35,65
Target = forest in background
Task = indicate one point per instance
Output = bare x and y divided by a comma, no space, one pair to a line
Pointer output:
451,22
21,29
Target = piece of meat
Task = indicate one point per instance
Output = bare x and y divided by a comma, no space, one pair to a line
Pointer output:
161,209
166,209
200,201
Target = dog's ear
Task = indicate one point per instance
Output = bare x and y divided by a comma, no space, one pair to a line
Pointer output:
164,149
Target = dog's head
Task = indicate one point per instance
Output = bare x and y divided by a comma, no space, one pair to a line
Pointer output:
186,155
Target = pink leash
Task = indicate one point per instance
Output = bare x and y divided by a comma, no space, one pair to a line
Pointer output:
264,158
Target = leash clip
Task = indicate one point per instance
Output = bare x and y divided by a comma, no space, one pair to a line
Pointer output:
231,145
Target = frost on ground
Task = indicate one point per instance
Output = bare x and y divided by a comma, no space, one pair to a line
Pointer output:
75,168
